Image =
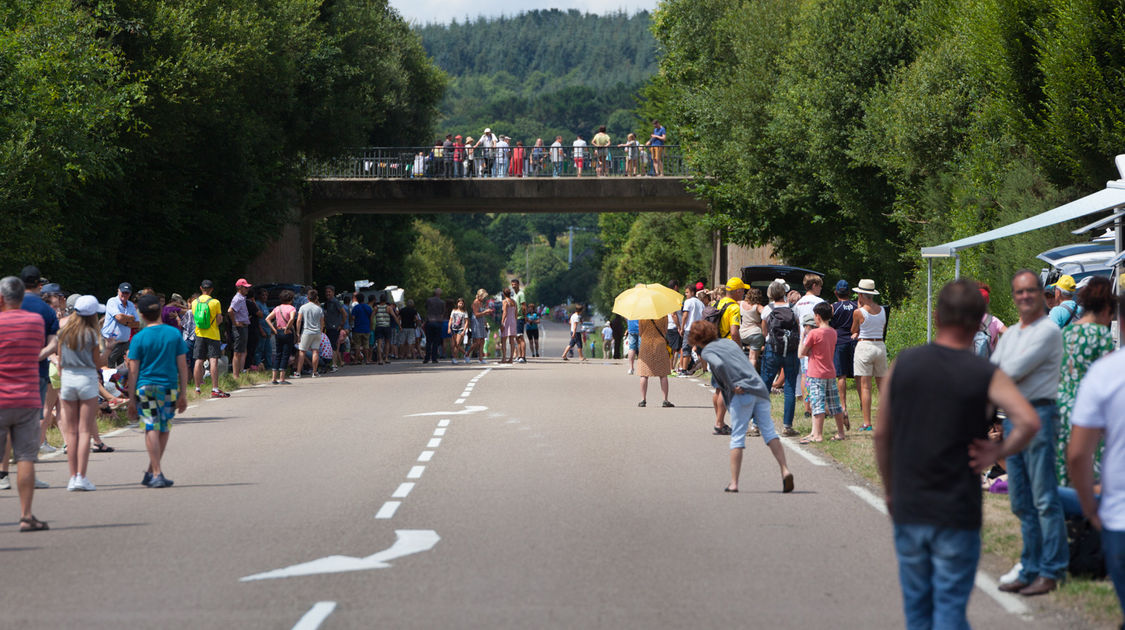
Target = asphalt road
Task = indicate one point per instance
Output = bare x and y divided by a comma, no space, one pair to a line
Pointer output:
542,497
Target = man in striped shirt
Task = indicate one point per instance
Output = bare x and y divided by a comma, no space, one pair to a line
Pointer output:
21,341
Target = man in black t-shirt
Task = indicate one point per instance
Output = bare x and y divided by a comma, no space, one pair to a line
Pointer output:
844,357
931,446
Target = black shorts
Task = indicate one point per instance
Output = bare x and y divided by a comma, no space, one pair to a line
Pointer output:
533,333
382,332
844,359
520,326
207,348
674,340
239,335
333,338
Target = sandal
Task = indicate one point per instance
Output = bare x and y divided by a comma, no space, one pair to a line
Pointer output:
100,447
666,404
837,438
723,430
808,440
32,524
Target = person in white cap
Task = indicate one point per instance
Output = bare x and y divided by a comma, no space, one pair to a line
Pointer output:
80,362
488,141
869,328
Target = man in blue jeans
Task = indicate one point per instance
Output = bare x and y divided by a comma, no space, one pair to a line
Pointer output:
931,443
1030,353
782,339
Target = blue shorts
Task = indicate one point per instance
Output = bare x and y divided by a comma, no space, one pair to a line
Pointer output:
844,359
157,406
743,408
633,342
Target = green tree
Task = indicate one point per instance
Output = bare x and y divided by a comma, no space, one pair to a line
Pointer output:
429,266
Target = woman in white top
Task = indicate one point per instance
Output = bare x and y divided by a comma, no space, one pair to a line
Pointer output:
869,326
458,321
80,362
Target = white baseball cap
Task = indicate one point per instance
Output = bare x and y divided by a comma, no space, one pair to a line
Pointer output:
88,305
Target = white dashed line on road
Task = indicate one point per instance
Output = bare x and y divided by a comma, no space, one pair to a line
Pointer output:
434,443
415,472
439,432
426,456
403,490
459,401
315,616
443,423
388,510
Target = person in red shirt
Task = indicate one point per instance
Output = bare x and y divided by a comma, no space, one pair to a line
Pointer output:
823,397
21,342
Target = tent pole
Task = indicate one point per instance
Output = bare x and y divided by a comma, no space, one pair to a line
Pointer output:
929,299
957,267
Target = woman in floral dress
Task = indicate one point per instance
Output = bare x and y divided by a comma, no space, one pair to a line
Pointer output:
1084,342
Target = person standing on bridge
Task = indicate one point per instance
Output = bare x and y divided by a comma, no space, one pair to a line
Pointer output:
579,154
632,154
447,156
656,141
503,154
744,393
487,142
931,445
458,156
470,155
515,167
601,151
557,155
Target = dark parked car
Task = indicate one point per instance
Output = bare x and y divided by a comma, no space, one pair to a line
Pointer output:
275,288
760,276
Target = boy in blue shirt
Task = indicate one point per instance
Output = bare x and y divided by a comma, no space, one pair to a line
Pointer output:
157,383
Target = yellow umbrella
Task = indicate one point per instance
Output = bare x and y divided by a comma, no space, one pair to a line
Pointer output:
647,301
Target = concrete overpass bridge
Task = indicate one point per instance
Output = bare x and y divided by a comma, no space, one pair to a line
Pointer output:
385,181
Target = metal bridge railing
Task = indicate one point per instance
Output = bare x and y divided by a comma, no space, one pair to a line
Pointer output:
462,162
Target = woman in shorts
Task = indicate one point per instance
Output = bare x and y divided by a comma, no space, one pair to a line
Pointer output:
80,362
458,323
479,324
750,331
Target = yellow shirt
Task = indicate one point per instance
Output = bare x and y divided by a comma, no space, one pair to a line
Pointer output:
600,140
211,332
731,319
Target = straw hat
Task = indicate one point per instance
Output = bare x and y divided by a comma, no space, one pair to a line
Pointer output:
866,286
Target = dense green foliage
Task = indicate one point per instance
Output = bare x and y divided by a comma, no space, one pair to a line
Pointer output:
161,142
848,133
542,73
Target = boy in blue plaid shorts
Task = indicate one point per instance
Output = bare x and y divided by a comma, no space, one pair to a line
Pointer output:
819,346
157,386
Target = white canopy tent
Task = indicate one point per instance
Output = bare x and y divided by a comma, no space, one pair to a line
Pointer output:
1112,198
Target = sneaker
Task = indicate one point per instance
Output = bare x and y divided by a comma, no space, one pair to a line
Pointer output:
522,360
315,375
333,369
147,479
40,484
70,484
454,362
219,394
46,448
296,375
5,483
275,382
83,484
160,482
284,383
482,361
629,371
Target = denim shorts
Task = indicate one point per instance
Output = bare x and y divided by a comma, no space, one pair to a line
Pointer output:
743,408
633,342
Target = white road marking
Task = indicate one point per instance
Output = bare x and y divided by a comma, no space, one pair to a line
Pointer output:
512,421
440,432
803,452
403,490
464,412
315,616
459,401
415,472
409,541
388,510
443,423
1008,602
465,394
426,456
434,443
870,499
116,433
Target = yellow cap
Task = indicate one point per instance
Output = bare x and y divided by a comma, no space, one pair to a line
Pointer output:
736,283
1066,283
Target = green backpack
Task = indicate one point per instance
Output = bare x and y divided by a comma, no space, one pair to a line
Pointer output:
202,313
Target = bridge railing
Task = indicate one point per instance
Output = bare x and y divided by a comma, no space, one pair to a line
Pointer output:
460,162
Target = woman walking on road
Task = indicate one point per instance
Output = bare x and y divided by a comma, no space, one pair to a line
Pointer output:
281,320
746,397
654,359
80,363
458,321
479,325
507,327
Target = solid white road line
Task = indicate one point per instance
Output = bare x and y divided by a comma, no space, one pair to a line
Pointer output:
434,443
439,432
1010,603
388,509
426,456
415,472
443,423
403,490
315,616
115,433
803,452
869,498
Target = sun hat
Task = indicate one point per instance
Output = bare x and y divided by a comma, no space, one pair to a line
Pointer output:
783,283
867,286
88,305
488,129
736,283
